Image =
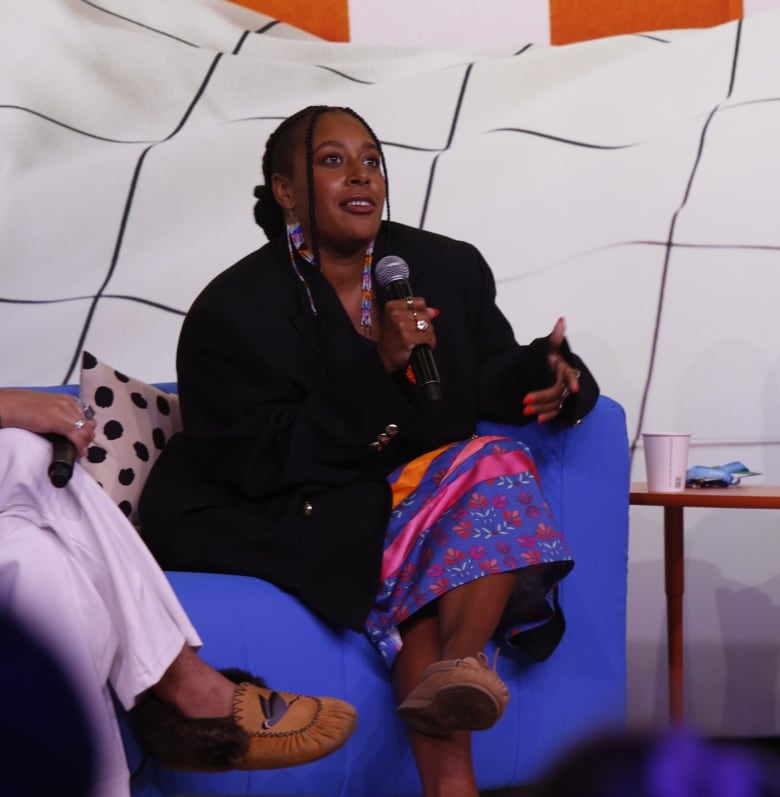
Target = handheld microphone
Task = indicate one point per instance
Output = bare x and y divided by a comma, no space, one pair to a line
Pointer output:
63,455
392,274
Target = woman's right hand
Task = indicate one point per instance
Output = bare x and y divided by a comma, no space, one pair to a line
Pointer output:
406,323
47,413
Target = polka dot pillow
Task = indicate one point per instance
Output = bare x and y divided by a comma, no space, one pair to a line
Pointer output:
134,421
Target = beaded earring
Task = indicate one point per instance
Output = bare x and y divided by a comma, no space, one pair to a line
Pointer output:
295,243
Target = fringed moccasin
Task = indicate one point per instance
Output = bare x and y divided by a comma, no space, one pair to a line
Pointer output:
456,695
267,730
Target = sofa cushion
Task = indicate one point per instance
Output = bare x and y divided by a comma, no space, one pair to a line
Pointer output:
134,421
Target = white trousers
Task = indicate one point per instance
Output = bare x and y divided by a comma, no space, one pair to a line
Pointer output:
77,575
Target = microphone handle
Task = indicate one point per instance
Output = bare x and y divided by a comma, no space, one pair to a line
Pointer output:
423,365
63,456
425,372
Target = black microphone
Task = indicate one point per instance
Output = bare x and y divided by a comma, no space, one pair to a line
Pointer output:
63,455
392,274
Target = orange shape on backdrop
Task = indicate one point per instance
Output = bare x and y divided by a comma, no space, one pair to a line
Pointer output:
328,19
574,20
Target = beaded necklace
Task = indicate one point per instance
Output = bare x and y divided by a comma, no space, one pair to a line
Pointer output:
295,243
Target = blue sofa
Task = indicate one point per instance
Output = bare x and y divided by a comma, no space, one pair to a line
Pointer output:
248,623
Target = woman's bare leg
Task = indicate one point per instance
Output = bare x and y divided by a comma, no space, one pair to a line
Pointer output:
469,614
445,765
457,625
443,762
196,688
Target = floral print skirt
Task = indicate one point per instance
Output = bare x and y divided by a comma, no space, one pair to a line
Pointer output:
464,511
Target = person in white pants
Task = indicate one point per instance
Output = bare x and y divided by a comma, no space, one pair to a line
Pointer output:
76,574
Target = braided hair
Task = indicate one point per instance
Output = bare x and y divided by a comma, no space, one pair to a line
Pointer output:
278,157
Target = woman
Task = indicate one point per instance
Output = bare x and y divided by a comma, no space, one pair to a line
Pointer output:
78,577
311,459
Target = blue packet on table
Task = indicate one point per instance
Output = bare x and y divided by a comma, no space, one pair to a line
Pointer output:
726,475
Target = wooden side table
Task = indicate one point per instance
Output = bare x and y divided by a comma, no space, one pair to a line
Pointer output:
738,497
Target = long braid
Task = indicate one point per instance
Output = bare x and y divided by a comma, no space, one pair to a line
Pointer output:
315,236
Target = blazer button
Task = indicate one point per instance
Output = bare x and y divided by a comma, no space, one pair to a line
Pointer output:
307,508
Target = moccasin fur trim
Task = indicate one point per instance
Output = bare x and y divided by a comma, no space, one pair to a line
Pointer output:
180,742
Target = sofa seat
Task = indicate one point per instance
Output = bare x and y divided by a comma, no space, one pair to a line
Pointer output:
580,688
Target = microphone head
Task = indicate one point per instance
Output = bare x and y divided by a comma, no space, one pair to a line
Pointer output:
60,473
391,268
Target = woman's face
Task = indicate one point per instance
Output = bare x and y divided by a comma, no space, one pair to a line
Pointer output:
349,187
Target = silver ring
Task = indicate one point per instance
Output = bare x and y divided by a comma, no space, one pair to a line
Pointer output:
422,324
86,409
577,372
409,303
565,394
80,423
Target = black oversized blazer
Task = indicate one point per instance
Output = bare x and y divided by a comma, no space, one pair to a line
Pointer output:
274,474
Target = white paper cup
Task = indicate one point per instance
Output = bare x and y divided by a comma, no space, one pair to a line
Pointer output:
666,460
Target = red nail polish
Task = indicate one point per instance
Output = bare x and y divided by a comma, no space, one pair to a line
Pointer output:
527,411
527,400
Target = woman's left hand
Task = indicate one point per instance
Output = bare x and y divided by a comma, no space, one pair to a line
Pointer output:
546,404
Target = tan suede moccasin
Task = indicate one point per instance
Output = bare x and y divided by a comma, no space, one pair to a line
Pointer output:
267,730
456,695
286,729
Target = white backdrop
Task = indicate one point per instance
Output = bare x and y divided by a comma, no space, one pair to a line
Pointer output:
629,184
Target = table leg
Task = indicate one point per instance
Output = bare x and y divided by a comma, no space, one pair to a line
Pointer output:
674,572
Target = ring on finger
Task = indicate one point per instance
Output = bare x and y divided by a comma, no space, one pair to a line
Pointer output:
422,324
86,409
410,303
80,423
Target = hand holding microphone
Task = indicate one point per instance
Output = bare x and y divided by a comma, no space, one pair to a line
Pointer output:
63,453
392,274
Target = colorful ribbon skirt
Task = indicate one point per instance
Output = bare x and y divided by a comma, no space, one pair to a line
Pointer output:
462,512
